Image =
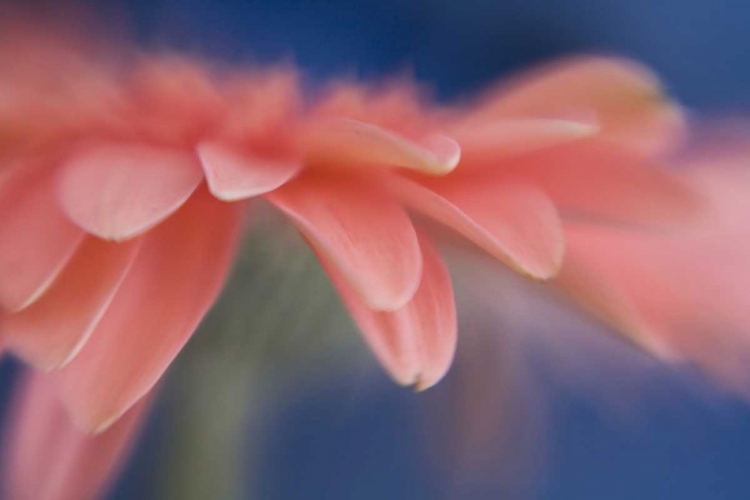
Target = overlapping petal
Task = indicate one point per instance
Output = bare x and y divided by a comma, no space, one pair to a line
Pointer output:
416,342
36,239
359,229
117,191
175,278
52,330
515,222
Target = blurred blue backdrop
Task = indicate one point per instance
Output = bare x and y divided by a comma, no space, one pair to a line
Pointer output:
682,447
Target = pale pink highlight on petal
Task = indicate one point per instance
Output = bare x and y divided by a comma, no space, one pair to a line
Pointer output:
514,222
36,240
48,458
117,191
505,138
52,330
233,175
175,279
365,233
345,141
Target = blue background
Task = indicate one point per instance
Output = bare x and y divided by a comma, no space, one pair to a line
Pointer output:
686,445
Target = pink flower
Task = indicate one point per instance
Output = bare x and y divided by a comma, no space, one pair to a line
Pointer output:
118,229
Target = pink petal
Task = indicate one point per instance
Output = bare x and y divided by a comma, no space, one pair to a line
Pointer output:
362,231
594,180
36,240
52,330
514,222
687,285
47,458
433,314
627,99
117,191
345,141
505,138
583,281
173,282
233,176
416,343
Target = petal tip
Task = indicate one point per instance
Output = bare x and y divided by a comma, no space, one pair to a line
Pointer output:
446,154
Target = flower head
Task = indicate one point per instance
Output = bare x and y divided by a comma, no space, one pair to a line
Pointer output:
118,229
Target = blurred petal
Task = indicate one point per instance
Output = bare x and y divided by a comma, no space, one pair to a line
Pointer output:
580,280
689,287
363,232
117,191
235,176
486,142
53,329
36,239
349,141
593,180
48,458
626,98
175,279
514,222
416,343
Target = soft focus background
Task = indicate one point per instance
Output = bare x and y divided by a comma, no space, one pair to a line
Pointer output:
276,396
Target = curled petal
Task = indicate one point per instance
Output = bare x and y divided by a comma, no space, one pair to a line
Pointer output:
117,191
233,176
416,343
36,239
345,141
514,222
52,330
361,231
174,280
48,458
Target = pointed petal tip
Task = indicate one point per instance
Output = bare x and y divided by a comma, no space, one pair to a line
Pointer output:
652,343
422,383
106,423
